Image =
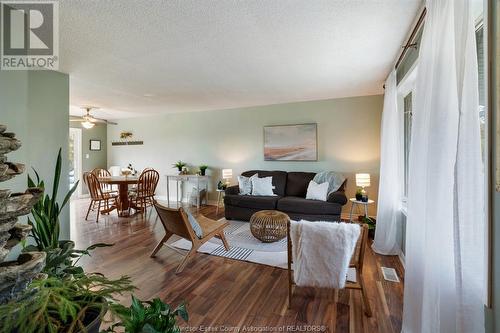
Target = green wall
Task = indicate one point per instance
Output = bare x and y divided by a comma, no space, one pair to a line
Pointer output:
96,159
35,105
348,139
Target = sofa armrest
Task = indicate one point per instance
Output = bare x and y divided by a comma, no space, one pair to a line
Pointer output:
337,197
233,190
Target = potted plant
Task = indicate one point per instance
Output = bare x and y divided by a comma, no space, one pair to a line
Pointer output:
371,222
203,169
62,257
65,299
75,304
151,316
359,194
179,165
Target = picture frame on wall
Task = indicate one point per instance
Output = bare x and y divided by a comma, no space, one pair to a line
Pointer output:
95,145
298,142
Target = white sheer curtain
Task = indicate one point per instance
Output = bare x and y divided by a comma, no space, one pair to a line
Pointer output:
444,280
389,193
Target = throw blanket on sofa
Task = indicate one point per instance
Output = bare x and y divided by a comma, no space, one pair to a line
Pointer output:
322,252
334,179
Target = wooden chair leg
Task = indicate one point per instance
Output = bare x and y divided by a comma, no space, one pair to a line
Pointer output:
88,210
98,211
366,302
160,244
188,257
224,240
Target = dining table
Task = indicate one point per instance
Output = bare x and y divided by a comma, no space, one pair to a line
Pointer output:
122,202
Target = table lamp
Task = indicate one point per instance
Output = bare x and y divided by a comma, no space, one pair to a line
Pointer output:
363,180
227,174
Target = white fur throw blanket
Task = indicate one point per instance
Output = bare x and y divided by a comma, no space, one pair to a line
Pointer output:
322,252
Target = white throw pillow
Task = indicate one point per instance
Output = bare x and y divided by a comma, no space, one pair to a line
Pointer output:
262,186
317,191
245,184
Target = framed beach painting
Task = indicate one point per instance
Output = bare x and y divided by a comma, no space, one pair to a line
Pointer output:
291,142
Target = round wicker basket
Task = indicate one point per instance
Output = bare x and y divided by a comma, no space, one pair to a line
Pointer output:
269,225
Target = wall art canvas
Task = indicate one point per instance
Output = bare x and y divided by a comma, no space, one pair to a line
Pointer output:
291,143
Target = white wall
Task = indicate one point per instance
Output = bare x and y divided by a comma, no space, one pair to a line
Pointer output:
348,139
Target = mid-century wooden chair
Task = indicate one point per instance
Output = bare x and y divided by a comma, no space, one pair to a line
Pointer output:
175,221
356,263
143,196
97,196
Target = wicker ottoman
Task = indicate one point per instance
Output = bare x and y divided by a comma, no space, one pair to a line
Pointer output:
269,225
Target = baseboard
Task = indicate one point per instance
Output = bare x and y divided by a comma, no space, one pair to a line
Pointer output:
184,200
401,257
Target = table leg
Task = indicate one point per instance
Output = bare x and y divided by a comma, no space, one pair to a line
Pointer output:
122,201
198,192
350,213
168,193
366,210
218,203
177,194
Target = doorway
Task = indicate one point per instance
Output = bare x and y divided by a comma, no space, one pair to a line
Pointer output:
75,160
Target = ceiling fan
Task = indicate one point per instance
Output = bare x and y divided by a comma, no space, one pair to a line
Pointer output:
88,121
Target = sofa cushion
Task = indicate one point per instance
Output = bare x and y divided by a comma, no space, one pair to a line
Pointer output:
249,201
304,206
297,183
279,179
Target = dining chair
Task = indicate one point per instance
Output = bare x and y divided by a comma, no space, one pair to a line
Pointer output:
143,196
356,262
175,221
103,173
97,196
115,170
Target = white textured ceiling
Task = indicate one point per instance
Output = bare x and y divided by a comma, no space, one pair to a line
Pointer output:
138,57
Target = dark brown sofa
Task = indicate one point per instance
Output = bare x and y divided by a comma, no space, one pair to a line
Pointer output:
290,189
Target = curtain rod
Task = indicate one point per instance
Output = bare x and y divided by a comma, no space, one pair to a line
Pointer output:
410,39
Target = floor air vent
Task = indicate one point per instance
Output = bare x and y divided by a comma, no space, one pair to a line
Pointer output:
390,274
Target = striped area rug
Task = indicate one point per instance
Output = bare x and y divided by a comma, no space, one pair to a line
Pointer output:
244,246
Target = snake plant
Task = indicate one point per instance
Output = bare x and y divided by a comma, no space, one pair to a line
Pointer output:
45,213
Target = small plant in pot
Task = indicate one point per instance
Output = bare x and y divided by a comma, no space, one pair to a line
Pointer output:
73,304
203,169
179,165
152,316
372,223
359,194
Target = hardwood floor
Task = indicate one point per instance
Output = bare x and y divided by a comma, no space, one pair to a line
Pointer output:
223,293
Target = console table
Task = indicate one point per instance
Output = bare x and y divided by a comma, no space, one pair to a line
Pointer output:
183,178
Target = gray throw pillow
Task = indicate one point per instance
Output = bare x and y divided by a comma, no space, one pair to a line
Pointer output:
245,184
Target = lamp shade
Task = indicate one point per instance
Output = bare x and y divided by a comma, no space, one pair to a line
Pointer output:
227,173
363,179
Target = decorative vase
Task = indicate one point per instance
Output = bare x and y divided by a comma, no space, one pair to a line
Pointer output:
202,172
359,196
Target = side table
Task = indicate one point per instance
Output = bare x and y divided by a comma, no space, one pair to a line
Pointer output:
355,202
220,197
